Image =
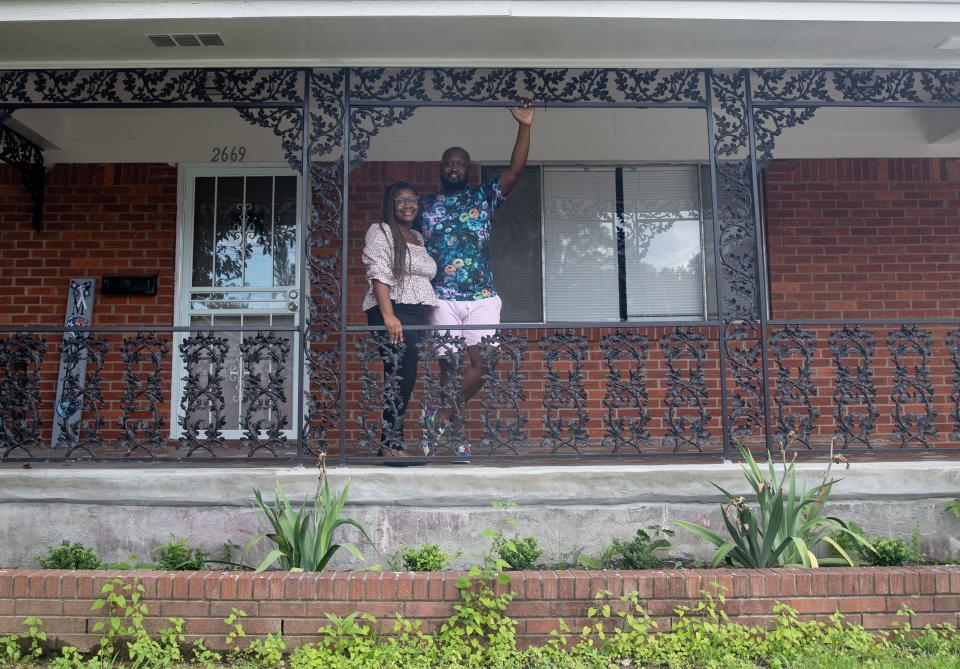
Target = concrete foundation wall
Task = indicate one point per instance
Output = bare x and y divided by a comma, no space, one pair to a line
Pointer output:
124,511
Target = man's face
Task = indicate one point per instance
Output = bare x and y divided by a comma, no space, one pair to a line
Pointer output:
454,170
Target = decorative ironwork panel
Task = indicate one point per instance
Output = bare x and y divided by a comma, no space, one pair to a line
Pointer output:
770,122
264,418
504,420
366,123
686,393
379,390
441,358
203,403
630,393
866,86
953,347
854,386
152,86
551,86
912,386
82,355
739,280
321,242
564,395
21,357
287,124
27,158
795,386
142,393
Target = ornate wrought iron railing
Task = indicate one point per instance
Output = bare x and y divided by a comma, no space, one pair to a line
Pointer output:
656,392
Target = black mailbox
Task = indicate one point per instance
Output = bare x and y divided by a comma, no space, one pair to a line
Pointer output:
128,285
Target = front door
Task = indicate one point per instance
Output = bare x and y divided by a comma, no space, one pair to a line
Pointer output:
239,267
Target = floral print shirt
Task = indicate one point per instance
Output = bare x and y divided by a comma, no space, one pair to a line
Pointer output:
456,230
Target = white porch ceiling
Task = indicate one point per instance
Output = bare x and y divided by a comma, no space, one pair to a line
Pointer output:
898,34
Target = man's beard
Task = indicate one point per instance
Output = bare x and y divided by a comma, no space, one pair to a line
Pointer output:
447,184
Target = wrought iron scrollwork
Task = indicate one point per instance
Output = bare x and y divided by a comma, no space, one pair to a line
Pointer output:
550,86
912,386
155,86
442,391
264,420
203,403
854,386
857,85
321,242
27,158
503,417
953,348
379,392
82,391
686,392
563,396
744,353
21,357
770,122
287,124
795,387
630,393
142,394
366,123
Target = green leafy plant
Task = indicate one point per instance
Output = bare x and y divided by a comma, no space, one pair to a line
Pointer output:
176,555
69,555
516,553
884,551
132,562
790,524
645,551
427,557
20,650
304,537
124,632
954,507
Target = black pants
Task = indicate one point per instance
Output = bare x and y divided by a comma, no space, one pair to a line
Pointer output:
407,314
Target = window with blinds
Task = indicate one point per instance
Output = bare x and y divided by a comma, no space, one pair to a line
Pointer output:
604,243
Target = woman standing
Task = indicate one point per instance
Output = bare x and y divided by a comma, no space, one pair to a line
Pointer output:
399,271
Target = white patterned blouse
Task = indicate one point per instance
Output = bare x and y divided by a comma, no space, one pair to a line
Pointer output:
378,259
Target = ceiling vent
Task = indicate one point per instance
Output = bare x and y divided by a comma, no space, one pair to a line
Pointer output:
187,39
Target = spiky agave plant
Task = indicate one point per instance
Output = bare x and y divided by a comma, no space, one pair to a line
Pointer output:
304,537
788,527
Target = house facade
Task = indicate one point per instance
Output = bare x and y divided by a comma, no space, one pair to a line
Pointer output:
738,226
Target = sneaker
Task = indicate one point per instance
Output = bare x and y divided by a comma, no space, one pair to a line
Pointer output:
429,418
463,453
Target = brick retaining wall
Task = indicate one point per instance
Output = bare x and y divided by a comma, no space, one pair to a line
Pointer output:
297,603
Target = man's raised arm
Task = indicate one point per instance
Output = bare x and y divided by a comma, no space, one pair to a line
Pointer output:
521,148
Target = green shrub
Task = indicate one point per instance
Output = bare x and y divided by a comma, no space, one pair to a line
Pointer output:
788,528
645,551
428,557
893,553
519,553
954,507
176,555
69,556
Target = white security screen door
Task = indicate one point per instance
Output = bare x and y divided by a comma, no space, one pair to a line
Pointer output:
238,266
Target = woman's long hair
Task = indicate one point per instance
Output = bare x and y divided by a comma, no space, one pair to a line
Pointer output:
401,256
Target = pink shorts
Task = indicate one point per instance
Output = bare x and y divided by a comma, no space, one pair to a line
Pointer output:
468,312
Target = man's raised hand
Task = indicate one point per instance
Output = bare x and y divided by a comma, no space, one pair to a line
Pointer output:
524,113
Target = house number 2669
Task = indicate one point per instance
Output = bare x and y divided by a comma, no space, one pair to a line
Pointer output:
228,154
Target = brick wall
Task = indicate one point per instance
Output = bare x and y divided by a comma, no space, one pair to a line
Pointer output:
98,220
868,239
864,239
296,603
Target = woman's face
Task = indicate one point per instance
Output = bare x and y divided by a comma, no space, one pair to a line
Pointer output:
406,205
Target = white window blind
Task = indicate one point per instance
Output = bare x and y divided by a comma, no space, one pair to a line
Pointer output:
580,244
663,254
